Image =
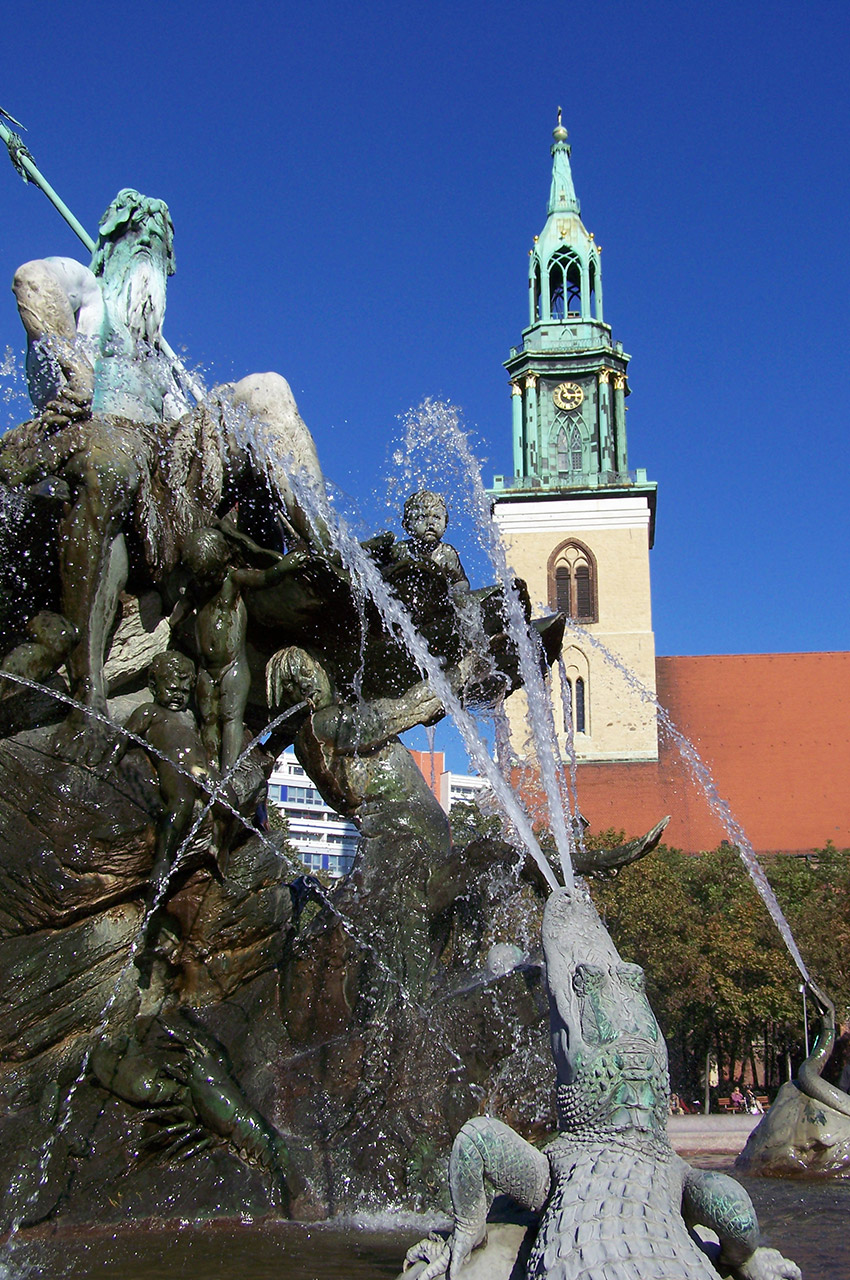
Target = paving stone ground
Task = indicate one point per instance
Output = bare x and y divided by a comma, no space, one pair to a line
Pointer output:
710,1135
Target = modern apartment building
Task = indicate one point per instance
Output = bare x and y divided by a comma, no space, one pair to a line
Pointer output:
324,840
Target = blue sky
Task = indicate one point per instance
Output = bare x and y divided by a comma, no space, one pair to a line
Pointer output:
355,189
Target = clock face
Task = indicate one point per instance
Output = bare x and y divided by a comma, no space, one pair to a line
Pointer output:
568,395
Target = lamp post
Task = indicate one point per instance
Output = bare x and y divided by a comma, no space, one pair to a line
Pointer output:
802,990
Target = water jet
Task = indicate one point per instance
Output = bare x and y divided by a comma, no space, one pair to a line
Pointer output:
235,1061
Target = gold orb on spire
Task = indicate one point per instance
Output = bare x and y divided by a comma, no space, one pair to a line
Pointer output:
559,133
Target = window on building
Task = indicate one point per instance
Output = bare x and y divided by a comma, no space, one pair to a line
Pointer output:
563,590
583,592
575,705
303,795
574,289
572,582
579,706
569,451
564,285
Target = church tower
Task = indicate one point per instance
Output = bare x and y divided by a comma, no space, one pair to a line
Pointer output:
577,522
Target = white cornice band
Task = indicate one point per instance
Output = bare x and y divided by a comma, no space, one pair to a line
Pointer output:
572,516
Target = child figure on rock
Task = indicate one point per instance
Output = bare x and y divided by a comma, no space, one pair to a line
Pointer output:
425,521
175,750
51,639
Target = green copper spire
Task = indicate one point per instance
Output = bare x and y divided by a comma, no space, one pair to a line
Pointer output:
569,378
562,196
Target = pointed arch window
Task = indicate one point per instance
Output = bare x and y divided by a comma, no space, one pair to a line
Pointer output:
569,449
577,708
575,701
574,289
572,582
564,285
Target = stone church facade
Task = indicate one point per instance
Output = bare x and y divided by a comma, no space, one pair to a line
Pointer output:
579,525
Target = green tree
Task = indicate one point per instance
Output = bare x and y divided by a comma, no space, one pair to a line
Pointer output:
718,975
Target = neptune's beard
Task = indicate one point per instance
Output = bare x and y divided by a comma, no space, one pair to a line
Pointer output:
136,300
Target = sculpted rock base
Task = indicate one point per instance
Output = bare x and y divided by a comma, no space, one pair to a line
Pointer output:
306,1035
75,858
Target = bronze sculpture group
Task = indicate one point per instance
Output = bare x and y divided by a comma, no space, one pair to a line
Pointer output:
215,512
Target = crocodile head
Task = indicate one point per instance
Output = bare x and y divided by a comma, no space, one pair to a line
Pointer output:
610,1056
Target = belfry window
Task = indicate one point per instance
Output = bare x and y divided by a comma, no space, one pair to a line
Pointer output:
583,592
574,290
572,582
562,590
564,285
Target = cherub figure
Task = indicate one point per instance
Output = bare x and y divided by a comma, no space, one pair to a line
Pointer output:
175,750
52,639
224,679
425,520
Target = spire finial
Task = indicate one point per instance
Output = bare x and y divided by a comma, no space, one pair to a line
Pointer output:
559,133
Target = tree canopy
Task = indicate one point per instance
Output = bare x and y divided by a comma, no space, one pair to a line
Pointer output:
718,973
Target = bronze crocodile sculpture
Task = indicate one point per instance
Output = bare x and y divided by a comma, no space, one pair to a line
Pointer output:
616,1202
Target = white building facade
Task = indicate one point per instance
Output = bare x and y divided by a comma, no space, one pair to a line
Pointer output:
325,841
460,787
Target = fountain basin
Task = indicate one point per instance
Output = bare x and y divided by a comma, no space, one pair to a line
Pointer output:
805,1217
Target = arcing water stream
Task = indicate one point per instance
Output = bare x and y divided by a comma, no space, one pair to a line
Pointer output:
436,426
702,777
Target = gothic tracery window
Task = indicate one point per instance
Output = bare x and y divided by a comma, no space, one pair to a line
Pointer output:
572,582
569,450
564,285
